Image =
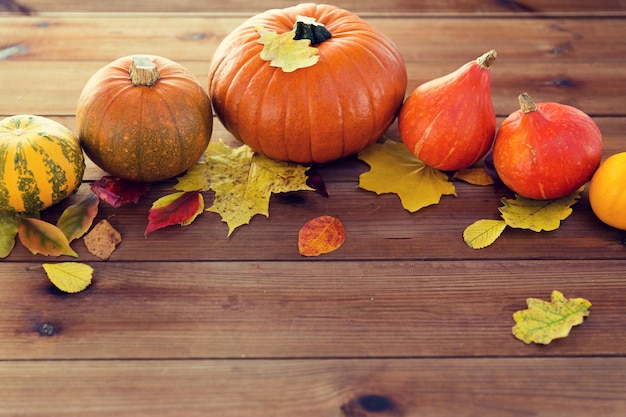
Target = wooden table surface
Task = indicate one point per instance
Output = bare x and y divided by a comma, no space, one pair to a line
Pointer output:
403,320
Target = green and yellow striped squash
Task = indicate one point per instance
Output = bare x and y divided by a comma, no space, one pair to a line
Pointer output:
41,163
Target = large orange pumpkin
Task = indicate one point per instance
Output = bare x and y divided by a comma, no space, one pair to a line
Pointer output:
144,118
320,113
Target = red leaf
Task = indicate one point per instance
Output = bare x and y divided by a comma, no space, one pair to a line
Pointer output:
315,181
42,237
117,191
321,235
177,208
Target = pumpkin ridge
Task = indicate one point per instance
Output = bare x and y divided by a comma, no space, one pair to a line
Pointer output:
179,135
365,83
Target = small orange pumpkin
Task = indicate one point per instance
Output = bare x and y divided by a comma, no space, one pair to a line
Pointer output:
144,118
607,191
546,150
320,113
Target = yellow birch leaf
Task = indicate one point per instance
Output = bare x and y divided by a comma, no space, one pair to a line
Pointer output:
283,51
474,176
321,235
483,233
537,215
545,321
393,169
70,277
243,181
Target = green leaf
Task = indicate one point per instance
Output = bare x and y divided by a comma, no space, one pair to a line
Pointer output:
483,233
70,277
76,220
537,215
9,223
393,169
44,238
545,321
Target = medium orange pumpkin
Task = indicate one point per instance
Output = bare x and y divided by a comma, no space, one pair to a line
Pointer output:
144,118
449,122
546,150
320,113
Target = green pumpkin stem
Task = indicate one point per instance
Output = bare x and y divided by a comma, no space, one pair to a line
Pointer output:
143,72
526,103
308,28
486,59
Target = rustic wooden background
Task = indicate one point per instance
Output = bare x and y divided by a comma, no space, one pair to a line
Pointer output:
403,320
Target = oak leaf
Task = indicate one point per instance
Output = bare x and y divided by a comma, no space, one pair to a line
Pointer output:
178,208
321,235
537,215
242,180
76,219
284,52
545,321
393,169
523,213
39,236
9,223
70,277
102,240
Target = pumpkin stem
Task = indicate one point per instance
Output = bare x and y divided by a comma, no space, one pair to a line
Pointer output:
526,103
486,59
308,28
143,71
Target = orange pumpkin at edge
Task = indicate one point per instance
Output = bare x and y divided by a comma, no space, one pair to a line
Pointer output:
144,118
607,192
327,111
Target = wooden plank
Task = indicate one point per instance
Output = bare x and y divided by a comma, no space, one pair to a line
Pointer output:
489,387
423,38
366,6
232,309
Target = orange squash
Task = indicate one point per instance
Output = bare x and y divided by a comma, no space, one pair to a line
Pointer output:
320,113
449,122
607,191
546,150
144,118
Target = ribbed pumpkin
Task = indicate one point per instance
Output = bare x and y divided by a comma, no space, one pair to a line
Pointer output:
320,113
144,118
41,163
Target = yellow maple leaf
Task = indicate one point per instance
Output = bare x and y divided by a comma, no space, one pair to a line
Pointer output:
545,321
242,180
474,176
393,169
70,277
537,215
285,52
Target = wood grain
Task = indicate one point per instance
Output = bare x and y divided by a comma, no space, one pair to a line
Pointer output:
403,320
576,387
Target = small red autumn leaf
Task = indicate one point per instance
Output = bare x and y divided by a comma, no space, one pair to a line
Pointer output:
315,181
321,235
117,191
177,208
39,236
78,218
